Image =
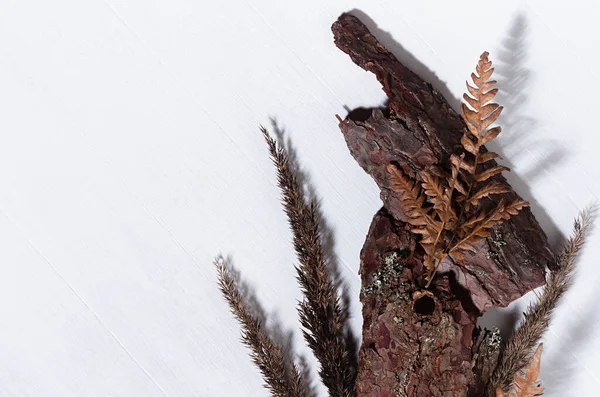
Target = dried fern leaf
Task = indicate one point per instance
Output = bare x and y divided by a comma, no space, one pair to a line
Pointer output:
486,190
526,384
442,225
439,195
487,174
465,165
468,144
434,190
423,222
479,113
412,202
447,215
480,226
485,157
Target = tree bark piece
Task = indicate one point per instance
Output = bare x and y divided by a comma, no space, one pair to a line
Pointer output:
419,342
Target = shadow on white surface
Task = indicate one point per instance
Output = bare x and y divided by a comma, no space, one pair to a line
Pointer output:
563,363
513,83
518,141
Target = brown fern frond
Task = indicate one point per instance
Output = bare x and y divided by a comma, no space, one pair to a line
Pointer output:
487,190
433,188
487,156
281,377
450,222
478,117
464,164
321,313
440,196
423,222
487,174
412,202
537,317
480,226
479,114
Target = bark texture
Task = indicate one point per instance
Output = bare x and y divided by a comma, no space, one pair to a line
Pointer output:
419,342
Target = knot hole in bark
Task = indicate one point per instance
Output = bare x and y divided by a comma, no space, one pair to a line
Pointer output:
423,304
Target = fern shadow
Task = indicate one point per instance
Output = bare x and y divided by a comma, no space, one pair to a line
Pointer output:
513,81
519,142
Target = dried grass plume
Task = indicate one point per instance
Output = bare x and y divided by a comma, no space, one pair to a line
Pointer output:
281,377
515,355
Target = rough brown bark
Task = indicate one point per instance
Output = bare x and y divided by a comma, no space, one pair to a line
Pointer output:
419,342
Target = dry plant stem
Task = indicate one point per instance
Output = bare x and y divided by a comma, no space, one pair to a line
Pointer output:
320,312
527,384
282,378
518,348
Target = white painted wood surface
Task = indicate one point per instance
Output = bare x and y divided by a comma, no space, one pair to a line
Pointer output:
130,157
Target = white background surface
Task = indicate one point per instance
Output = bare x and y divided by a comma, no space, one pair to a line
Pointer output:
130,157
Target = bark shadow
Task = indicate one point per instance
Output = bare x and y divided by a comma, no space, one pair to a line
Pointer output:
406,57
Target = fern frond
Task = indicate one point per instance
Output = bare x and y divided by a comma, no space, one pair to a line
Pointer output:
412,202
421,219
485,157
464,164
487,174
440,195
433,188
479,113
487,190
450,226
480,226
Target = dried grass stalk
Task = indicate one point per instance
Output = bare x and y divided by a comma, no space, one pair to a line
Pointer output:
281,377
520,345
320,312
